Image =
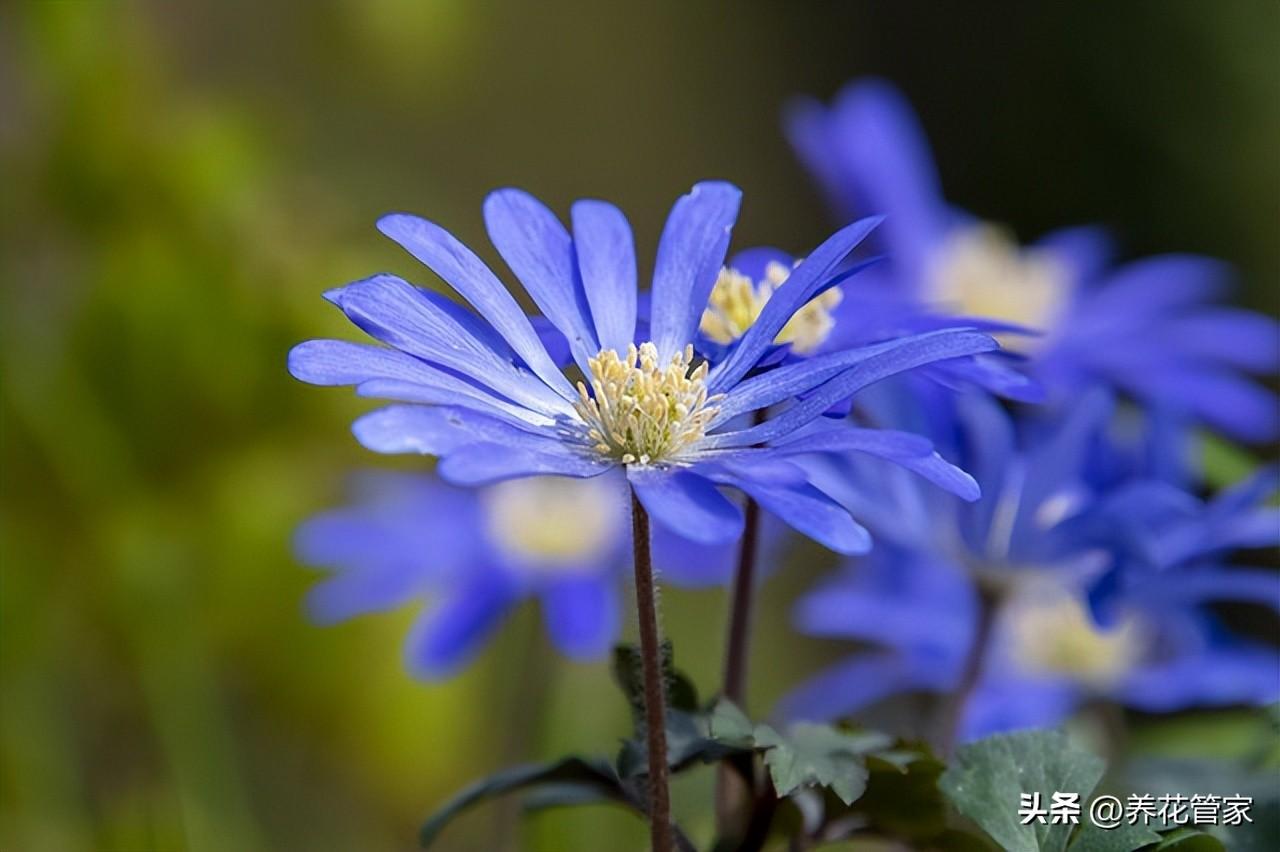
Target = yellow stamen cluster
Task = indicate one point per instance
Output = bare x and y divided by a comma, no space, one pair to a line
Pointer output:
981,271
1054,635
736,302
552,521
638,412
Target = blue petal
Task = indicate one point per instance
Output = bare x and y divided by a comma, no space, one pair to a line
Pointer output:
1230,336
754,262
1017,703
895,598
1057,461
1138,290
883,149
847,687
439,430
687,504
358,591
795,379
1087,251
682,562
910,353
690,255
810,134
553,340
1227,583
339,362
943,474
805,280
451,633
1241,674
467,274
485,463
391,374
1225,400
581,614
607,262
988,432
397,313
539,251
806,509
451,391
886,443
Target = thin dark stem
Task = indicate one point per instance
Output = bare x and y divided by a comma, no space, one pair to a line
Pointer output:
953,709
737,647
731,788
655,697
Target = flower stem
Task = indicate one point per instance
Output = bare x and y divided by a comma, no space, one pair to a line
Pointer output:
953,709
737,647
732,790
655,698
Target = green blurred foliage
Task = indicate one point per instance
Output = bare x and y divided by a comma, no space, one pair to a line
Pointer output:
180,183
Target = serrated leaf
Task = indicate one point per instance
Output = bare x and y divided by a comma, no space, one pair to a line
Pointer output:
988,778
689,742
728,723
906,803
818,755
577,771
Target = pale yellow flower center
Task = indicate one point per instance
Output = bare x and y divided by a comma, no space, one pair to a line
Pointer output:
736,302
1053,634
982,272
639,412
553,521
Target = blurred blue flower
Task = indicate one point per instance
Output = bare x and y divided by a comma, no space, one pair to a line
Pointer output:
1150,328
493,405
473,555
841,317
1047,534
1046,659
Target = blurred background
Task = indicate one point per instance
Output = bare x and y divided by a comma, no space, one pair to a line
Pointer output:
180,182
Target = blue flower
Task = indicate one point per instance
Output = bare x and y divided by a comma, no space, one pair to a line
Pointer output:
488,399
844,315
1047,534
1149,328
473,555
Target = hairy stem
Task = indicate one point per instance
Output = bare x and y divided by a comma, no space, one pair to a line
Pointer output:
655,696
953,709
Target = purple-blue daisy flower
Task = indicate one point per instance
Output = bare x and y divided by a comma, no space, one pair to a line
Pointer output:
1016,580
1150,328
488,399
562,542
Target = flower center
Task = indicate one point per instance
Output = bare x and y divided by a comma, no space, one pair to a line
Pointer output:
982,272
1052,634
553,522
640,412
736,302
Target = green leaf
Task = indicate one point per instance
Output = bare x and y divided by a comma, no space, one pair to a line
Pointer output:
689,741
818,755
1122,838
728,723
577,771
1189,840
988,778
902,797
628,675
